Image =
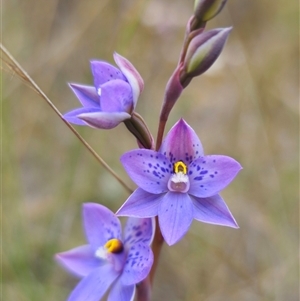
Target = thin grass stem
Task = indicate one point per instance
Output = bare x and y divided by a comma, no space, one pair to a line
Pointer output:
21,73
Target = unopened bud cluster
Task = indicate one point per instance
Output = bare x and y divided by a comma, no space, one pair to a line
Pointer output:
200,50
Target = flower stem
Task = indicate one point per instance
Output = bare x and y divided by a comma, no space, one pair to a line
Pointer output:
143,290
160,133
156,248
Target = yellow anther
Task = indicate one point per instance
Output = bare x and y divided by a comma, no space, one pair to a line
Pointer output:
114,246
180,167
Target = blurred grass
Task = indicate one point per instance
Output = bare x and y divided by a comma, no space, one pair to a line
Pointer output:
246,107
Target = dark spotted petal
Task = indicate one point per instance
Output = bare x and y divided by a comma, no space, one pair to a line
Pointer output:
138,230
148,169
182,143
138,264
210,174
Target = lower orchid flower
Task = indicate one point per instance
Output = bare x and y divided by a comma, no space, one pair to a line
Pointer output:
179,183
109,260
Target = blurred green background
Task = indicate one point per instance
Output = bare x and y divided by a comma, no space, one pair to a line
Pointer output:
245,106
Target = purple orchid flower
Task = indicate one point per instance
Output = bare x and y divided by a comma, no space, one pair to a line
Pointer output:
179,183
108,260
113,97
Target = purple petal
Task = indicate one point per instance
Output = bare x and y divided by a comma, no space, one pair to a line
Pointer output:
134,78
87,95
210,174
182,143
138,264
139,230
72,116
104,72
120,292
116,96
104,120
141,204
175,216
94,286
100,224
148,169
213,210
80,261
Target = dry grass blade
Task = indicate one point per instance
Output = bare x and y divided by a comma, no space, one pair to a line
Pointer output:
14,66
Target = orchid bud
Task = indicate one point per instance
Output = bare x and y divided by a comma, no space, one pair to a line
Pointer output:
205,10
202,52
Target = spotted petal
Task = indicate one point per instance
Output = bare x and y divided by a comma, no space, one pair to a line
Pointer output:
210,174
100,224
79,261
87,95
139,230
213,210
104,120
182,143
138,264
116,96
104,72
120,292
175,216
141,204
134,78
94,286
148,169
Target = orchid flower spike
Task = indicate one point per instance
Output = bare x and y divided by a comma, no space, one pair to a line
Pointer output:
113,97
108,260
179,183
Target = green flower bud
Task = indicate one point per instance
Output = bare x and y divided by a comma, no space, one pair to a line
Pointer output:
203,51
205,10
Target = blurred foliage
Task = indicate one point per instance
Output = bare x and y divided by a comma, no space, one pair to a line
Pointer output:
245,106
